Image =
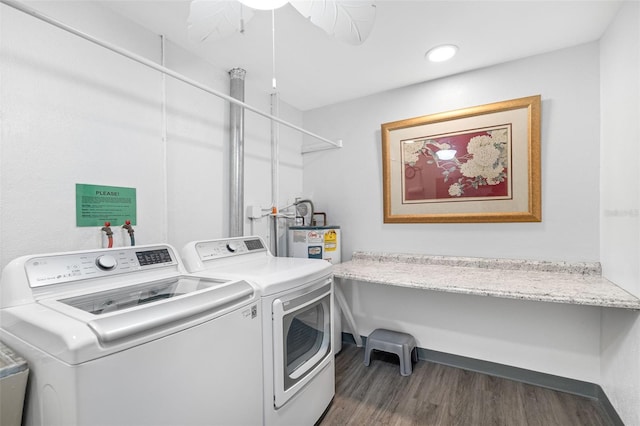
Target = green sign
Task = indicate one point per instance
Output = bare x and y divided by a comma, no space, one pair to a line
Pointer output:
96,204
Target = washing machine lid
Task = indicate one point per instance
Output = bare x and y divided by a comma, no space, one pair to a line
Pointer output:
79,306
88,326
147,307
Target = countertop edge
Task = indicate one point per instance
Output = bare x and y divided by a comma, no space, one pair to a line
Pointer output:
349,271
580,268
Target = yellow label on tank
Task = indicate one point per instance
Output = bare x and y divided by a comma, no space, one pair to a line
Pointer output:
330,240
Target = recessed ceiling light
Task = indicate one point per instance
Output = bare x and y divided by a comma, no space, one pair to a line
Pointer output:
442,53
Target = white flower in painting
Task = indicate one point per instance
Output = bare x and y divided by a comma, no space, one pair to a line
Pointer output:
469,169
499,135
487,156
501,139
483,149
485,161
411,151
472,169
455,190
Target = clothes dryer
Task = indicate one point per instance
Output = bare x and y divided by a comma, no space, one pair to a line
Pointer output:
297,302
124,337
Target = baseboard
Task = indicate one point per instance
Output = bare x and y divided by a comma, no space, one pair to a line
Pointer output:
550,381
607,407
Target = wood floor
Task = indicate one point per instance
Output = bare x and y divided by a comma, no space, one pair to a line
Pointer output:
435,394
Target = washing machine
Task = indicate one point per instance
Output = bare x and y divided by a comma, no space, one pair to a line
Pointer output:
297,302
124,337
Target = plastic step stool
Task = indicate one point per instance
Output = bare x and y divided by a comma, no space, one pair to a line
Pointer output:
401,344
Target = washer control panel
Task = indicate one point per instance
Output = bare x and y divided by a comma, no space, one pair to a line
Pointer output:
68,267
106,262
208,250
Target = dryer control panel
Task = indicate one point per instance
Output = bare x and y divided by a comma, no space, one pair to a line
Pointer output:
216,249
69,267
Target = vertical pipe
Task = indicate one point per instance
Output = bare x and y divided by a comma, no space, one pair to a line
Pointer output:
275,158
236,169
165,157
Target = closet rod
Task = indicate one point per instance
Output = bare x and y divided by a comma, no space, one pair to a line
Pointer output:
144,61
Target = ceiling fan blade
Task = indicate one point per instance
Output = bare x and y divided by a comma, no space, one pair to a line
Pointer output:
216,19
348,21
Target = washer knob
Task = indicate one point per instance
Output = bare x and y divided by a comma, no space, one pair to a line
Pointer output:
106,262
233,246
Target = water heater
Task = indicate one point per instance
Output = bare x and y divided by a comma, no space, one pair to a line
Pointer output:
315,242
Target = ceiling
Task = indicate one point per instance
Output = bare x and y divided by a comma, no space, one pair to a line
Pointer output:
314,69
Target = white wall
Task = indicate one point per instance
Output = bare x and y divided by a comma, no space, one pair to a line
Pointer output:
568,83
620,206
552,338
199,158
347,184
73,112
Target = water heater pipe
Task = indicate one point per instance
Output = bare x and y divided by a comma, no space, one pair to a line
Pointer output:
236,148
165,147
275,171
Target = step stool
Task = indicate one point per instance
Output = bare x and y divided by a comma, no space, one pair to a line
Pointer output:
401,344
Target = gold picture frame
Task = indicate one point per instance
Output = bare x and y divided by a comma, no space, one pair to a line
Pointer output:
477,164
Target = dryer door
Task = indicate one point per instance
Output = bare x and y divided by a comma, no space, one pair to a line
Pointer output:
302,338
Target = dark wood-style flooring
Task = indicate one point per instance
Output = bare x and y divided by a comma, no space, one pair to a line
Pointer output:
436,394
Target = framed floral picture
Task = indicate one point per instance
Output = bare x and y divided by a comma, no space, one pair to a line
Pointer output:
478,164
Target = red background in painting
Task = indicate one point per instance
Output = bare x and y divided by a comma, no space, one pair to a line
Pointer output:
426,182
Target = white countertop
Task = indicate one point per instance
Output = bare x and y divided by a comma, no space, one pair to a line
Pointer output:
558,282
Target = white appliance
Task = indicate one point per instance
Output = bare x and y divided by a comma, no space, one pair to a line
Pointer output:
299,371
315,242
319,242
123,337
